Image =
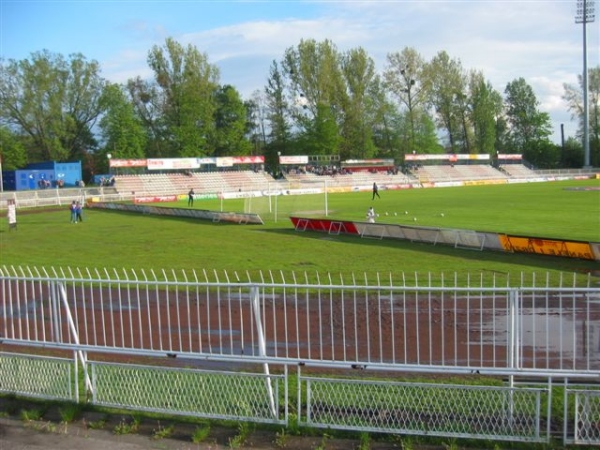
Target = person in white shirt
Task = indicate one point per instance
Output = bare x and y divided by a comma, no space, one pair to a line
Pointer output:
371,215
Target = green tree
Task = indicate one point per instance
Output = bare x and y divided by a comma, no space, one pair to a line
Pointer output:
12,150
359,106
231,125
322,135
278,119
313,69
405,80
387,135
257,122
529,128
448,98
314,84
54,101
146,100
574,98
486,106
572,153
186,85
121,129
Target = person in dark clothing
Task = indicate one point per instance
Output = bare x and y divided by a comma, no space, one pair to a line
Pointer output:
375,191
191,197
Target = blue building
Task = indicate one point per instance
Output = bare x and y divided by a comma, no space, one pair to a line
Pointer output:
42,176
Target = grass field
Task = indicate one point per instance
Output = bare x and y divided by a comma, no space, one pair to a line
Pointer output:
126,240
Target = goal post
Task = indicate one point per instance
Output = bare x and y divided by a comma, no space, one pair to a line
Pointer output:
306,199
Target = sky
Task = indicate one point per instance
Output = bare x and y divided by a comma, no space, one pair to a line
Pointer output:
538,40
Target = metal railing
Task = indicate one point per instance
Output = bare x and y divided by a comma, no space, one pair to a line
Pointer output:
189,321
385,323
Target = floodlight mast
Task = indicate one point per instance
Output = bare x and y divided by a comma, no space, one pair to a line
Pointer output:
585,15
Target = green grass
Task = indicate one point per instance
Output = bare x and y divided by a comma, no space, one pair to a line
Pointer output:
127,240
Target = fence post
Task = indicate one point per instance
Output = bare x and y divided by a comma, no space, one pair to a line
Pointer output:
82,356
262,345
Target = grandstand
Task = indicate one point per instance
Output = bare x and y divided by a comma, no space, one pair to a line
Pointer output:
178,176
458,172
181,183
248,180
518,171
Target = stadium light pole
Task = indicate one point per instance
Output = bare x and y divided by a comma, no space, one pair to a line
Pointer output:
585,15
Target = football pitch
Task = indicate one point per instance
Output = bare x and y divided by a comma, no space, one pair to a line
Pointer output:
115,240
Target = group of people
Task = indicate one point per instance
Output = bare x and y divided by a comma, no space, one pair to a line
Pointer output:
110,181
76,209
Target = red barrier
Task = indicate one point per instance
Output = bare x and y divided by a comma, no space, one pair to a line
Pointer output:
326,225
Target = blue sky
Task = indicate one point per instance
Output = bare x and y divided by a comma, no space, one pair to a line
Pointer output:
536,39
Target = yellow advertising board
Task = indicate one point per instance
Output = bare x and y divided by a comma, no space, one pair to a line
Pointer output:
553,247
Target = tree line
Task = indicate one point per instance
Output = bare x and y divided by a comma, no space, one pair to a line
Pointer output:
317,100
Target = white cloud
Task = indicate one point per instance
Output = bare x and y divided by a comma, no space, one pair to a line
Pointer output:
506,40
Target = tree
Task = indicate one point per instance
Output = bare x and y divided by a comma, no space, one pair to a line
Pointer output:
529,128
146,100
574,98
277,111
12,151
486,107
358,105
572,154
313,69
448,83
186,83
229,136
314,85
404,78
257,122
54,101
122,131
322,135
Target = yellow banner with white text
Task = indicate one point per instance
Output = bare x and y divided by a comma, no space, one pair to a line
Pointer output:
553,247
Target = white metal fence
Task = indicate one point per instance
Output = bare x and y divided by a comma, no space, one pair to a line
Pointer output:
490,325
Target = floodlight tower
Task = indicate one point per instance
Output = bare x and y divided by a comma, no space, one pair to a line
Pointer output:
585,14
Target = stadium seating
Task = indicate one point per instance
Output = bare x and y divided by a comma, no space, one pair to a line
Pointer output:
518,171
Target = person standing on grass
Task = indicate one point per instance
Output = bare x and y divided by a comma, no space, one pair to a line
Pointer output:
371,215
78,209
191,197
73,209
375,191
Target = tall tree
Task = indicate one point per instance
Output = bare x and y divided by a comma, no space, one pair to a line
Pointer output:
574,98
314,72
315,85
147,103
486,106
257,122
528,126
187,83
12,151
404,78
447,97
359,105
122,130
279,122
54,101
229,136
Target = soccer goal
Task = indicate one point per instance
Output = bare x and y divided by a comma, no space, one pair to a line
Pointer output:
308,199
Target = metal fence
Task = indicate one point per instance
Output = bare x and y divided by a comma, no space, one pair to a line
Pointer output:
483,412
547,327
489,325
197,393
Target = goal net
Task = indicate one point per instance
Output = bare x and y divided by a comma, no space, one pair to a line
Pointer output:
307,199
